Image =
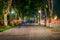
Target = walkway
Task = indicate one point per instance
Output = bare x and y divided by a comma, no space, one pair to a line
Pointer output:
30,33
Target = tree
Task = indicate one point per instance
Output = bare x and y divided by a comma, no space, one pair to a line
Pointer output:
6,8
50,4
27,6
1,14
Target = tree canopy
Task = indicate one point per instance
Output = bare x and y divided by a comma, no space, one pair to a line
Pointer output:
27,7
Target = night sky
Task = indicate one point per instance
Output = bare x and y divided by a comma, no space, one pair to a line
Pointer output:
57,7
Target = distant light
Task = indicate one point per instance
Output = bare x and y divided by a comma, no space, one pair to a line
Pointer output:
12,11
39,11
55,17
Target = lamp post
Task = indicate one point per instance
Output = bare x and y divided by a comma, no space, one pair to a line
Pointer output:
39,17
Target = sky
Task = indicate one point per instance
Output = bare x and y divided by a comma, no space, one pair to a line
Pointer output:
57,7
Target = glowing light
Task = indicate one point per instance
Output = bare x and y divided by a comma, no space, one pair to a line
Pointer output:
39,11
55,17
12,11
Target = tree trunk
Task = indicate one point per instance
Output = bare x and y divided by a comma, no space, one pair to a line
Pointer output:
45,11
50,3
51,9
45,16
5,20
9,7
16,12
5,12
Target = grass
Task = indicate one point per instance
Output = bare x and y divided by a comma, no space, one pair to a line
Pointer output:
5,28
55,30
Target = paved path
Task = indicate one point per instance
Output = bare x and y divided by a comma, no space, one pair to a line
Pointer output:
29,33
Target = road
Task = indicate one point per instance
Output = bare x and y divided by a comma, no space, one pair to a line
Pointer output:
30,33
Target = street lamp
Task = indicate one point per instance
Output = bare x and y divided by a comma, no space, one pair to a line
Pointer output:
39,16
39,11
12,11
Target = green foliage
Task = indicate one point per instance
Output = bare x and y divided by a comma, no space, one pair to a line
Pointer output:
29,7
5,28
1,7
46,6
3,4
